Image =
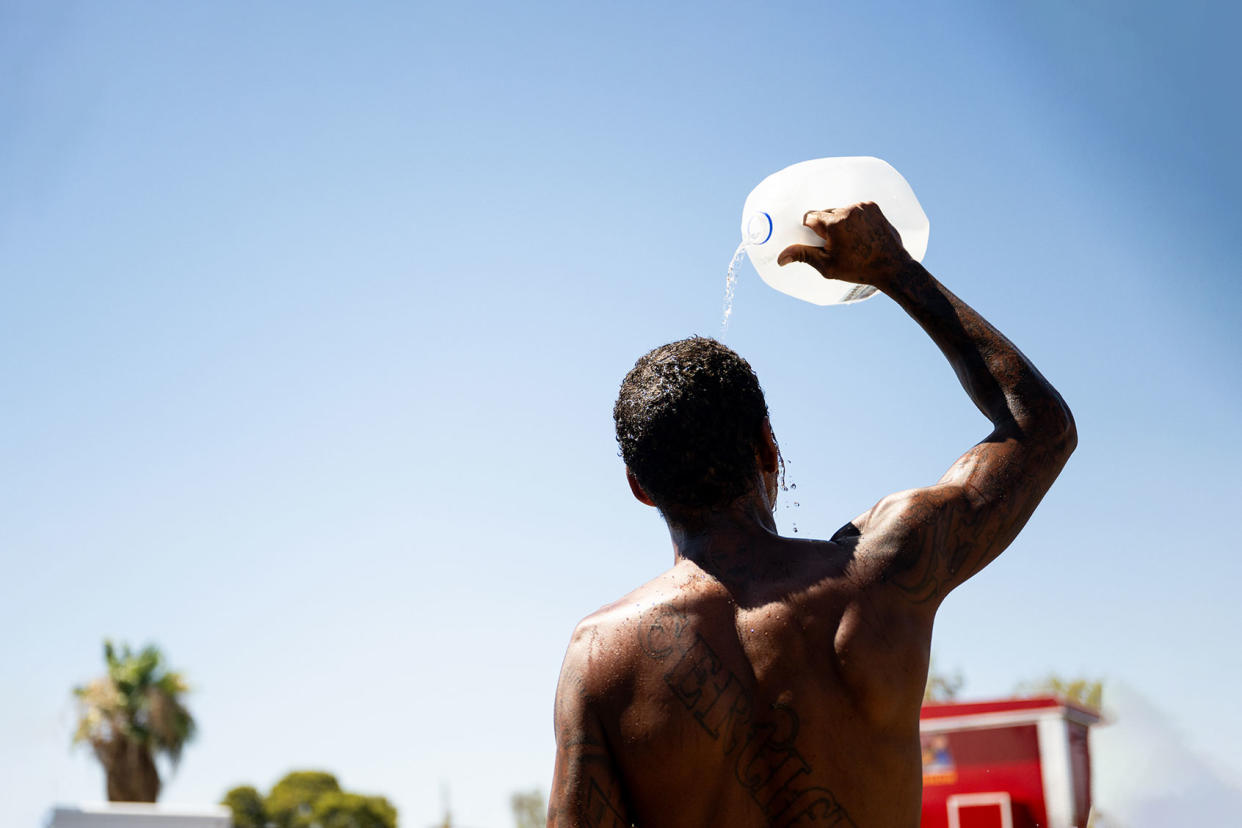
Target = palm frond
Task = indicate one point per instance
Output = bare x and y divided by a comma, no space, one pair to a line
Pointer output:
134,711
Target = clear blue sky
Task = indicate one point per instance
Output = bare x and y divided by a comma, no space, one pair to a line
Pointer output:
313,315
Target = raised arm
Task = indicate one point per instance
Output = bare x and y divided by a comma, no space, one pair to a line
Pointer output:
933,538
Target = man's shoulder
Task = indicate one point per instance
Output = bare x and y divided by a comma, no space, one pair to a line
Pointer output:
620,617
609,640
885,534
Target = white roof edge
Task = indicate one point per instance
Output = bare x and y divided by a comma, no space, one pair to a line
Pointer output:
144,808
1001,719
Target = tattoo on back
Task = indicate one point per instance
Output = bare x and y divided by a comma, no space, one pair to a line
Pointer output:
760,744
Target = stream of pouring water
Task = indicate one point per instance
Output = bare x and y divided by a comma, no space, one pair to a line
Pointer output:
730,286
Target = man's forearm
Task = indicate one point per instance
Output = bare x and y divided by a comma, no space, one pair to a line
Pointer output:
1003,383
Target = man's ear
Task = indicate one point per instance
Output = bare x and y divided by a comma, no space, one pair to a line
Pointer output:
641,495
769,454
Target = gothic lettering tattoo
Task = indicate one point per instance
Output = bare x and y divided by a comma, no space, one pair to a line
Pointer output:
761,745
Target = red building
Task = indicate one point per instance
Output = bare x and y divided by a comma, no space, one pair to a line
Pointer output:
1011,763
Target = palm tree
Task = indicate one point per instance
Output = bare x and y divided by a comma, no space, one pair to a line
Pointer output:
130,715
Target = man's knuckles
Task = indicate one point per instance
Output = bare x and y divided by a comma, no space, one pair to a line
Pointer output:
819,221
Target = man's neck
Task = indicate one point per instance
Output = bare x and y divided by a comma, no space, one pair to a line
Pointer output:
696,536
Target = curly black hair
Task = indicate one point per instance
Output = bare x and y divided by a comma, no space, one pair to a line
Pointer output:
689,420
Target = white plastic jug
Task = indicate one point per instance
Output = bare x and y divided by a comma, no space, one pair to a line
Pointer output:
772,220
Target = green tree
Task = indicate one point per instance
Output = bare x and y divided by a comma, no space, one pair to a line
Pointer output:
941,687
530,810
308,799
1083,691
247,806
129,716
350,810
291,802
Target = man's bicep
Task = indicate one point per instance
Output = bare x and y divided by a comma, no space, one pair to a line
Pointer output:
937,537
586,786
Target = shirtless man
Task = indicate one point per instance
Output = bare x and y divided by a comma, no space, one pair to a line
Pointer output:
775,681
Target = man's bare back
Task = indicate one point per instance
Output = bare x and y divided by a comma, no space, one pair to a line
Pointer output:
771,681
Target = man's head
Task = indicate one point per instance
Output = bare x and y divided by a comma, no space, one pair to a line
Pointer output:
692,426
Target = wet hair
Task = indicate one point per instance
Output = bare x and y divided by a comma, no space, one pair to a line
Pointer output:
689,420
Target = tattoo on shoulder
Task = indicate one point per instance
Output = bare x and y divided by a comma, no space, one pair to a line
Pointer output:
761,745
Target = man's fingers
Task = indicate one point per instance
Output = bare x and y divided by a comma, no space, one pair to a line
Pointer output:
816,257
819,220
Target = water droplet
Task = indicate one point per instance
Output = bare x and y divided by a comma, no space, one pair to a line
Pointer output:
793,485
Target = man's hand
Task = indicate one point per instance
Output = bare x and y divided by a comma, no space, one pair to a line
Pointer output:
859,245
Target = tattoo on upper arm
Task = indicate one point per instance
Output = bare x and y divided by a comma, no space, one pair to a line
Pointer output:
587,788
591,792
569,732
943,537
951,540
761,745
602,809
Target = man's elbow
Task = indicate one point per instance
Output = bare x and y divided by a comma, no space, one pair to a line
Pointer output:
1071,433
1051,426
1060,431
